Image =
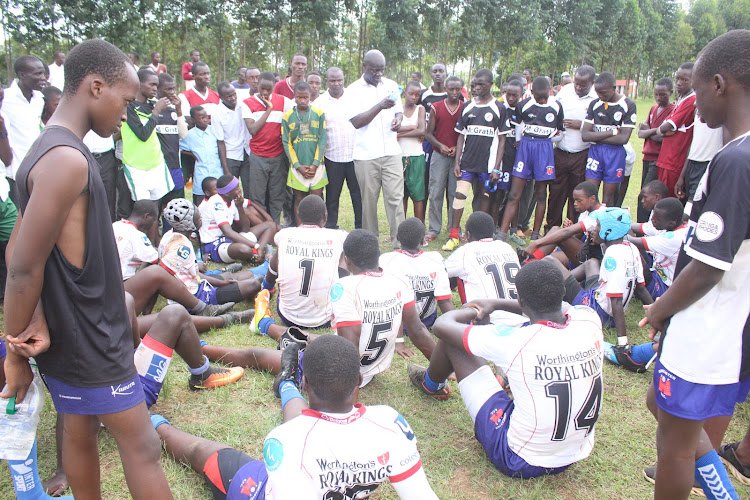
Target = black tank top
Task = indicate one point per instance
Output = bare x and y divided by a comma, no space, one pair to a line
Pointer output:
90,332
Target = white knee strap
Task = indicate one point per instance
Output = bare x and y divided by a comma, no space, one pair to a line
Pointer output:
462,188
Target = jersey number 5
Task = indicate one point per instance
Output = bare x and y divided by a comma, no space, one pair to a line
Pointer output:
586,416
376,344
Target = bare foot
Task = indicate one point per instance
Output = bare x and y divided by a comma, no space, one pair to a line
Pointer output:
57,484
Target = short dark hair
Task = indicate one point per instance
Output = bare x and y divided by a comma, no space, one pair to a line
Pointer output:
540,83
154,53
58,52
206,181
454,78
312,210
606,78
586,71
51,91
221,87
23,63
589,188
197,65
194,110
145,207
298,54
729,55
411,233
312,73
665,82
361,247
412,83
251,67
267,76
516,83
418,73
135,54
540,286
332,368
516,76
224,180
241,67
144,74
672,208
194,51
657,187
165,78
484,73
480,225
94,57
689,65
301,86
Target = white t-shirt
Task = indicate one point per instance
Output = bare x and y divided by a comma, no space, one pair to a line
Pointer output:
216,212
177,256
706,141
487,267
555,372
665,247
308,265
320,456
133,246
427,275
375,301
621,270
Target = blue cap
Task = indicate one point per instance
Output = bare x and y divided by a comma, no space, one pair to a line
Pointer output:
614,223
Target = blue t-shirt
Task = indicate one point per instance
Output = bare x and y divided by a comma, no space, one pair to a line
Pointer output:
203,144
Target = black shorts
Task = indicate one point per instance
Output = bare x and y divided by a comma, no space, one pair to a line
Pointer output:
573,288
220,469
228,293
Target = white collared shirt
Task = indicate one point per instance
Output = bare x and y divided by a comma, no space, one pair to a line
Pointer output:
574,108
56,75
376,139
229,127
23,119
339,130
98,144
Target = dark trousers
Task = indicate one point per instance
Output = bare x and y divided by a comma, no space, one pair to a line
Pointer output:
108,172
649,174
339,172
124,198
570,170
241,170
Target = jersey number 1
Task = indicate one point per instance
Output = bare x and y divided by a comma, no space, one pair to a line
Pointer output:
307,266
510,269
586,416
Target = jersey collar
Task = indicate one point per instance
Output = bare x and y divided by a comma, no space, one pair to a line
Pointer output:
309,226
359,411
126,221
409,254
376,274
486,240
552,324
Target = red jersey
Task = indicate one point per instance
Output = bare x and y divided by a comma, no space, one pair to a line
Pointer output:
655,118
193,98
675,148
187,71
445,122
284,87
267,142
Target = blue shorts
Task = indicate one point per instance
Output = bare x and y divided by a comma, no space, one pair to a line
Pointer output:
691,401
207,293
606,162
2,348
491,430
586,296
470,176
234,475
657,287
211,250
94,400
152,360
535,159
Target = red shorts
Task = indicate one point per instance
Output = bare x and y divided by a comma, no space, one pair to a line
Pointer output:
668,177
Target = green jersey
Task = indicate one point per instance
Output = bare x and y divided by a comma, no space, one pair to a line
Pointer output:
304,136
140,145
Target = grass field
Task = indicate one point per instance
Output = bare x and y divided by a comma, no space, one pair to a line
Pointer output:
241,415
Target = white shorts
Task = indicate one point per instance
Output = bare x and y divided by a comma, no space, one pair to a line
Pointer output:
148,184
223,249
629,159
477,388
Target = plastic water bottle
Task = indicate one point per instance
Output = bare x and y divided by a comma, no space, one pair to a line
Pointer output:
18,421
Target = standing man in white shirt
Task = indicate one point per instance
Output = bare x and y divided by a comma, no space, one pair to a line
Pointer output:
22,111
232,136
339,155
571,152
376,112
57,71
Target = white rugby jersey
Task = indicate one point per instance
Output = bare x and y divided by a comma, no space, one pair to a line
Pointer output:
621,271
487,267
427,275
308,265
133,246
324,456
177,256
665,248
709,341
586,222
375,301
215,212
555,372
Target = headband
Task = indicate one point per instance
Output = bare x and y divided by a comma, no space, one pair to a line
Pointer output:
229,187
